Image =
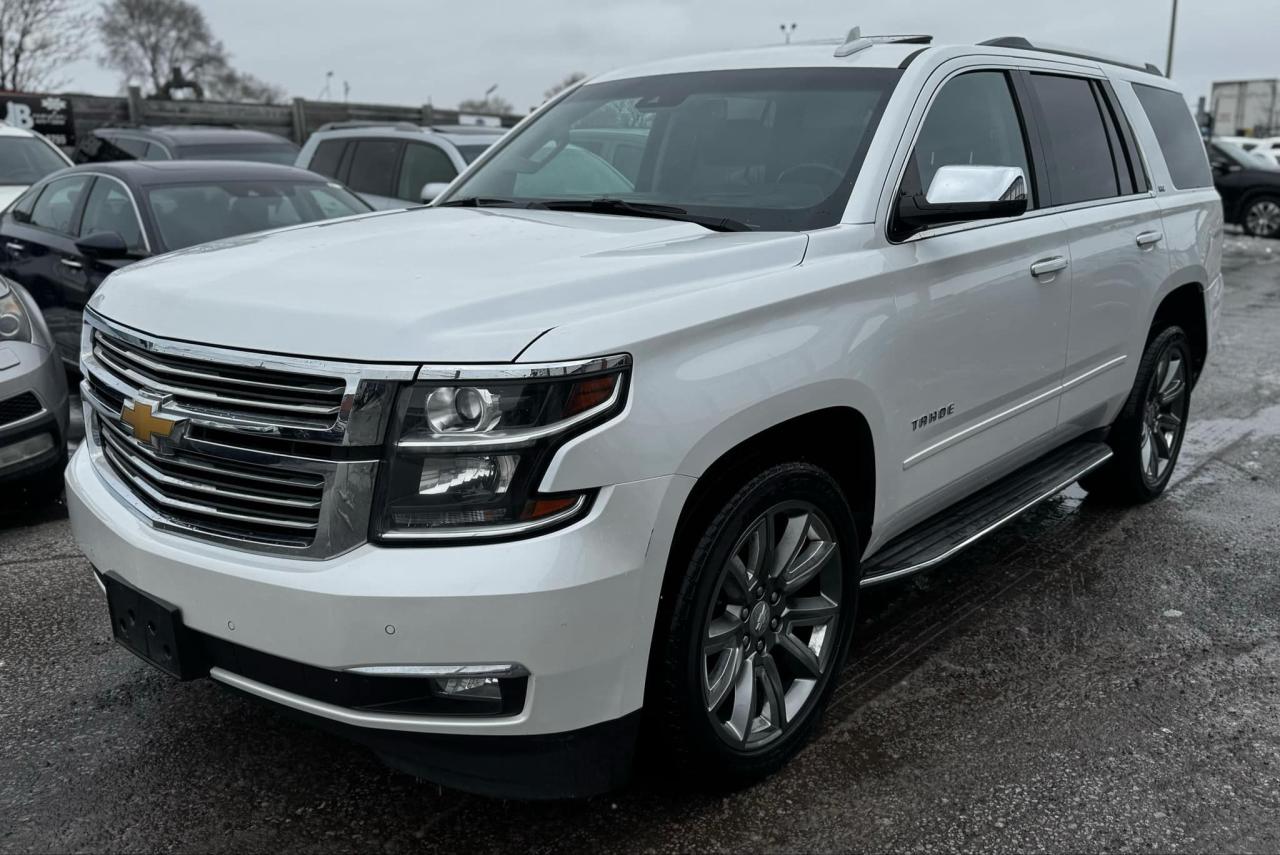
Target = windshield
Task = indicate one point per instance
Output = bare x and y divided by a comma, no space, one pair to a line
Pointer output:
285,153
775,149
471,152
25,160
188,214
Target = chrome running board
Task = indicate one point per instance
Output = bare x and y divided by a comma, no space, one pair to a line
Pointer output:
965,523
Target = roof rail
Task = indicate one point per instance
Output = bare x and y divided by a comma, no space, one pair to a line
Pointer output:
1023,43
359,123
856,41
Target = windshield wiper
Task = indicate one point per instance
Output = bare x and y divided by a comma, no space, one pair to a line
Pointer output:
478,202
641,209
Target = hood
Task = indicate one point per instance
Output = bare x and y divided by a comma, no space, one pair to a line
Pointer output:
427,284
9,192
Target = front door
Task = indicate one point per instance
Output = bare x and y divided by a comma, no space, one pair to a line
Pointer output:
984,308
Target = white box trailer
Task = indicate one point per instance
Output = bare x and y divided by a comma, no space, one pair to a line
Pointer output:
1246,108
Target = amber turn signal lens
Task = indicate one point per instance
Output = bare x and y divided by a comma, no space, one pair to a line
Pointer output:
539,508
590,393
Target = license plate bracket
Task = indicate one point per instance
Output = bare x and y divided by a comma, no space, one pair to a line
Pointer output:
152,630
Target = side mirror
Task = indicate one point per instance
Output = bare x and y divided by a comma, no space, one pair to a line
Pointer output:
104,245
961,194
432,189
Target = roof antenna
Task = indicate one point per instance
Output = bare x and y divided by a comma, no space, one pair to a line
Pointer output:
853,43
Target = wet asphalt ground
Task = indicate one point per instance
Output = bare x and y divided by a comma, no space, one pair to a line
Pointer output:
1087,679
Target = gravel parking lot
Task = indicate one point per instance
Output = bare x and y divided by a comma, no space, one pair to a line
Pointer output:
1088,679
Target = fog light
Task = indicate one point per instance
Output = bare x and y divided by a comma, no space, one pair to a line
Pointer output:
25,449
485,688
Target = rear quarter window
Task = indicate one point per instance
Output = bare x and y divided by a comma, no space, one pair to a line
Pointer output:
1178,136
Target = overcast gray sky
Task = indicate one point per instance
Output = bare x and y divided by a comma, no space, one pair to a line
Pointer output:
412,51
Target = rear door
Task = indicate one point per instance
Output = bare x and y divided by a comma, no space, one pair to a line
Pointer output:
1097,179
49,265
370,170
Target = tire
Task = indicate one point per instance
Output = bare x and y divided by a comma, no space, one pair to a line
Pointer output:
1154,419
1262,216
718,598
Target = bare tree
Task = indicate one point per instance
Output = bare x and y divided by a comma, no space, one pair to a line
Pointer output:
154,41
147,39
230,85
564,84
37,39
494,104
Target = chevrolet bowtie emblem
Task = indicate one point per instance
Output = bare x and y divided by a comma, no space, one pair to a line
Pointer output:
141,416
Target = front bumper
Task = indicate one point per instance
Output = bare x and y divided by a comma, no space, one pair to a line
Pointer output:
575,607
26,368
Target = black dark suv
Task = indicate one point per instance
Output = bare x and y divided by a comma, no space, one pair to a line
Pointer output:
1250,189
191,142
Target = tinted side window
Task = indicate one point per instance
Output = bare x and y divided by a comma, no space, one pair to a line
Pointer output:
373,167
1178,136
109,209
423,164
134,148
328,155
974,121
155,152
56,205
21,209
1081,166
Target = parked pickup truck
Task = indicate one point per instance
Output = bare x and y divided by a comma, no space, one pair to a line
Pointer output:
588,453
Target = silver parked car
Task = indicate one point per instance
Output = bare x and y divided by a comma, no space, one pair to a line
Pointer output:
33,404
391,165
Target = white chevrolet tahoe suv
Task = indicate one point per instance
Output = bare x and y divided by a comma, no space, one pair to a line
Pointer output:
590,455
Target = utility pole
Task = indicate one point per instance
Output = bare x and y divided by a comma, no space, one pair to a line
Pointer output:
786,34
1173,31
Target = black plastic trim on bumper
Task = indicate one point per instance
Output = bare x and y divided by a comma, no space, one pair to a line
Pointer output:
571,765
54,458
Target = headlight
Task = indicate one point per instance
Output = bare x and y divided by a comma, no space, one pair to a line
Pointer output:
15,323
469,447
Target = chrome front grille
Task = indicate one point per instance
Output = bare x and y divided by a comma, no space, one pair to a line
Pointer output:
282,508
200,384
264,453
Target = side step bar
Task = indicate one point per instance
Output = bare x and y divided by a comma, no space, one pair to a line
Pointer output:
943,535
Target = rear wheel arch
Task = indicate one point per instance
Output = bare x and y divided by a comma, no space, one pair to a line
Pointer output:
1184,307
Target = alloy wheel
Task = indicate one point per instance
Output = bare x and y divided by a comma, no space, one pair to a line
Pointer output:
770,633
1263,218
1163,418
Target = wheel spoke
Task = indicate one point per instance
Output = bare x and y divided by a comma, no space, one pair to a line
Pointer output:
1163,451
723,632
808,611
744,700
1172,393
1169,423
738,582
774,692
799,654
725,677
808,564
794,535
1147,449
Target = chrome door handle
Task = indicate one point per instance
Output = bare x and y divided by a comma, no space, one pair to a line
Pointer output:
72,263
1149,238
15,246
1047,266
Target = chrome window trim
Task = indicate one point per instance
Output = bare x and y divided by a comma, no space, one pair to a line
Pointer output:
1008,65
137,212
